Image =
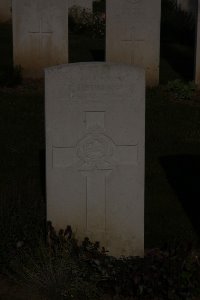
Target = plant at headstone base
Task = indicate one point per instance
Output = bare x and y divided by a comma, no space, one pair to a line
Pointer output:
83,21
159,275
180,90
171,273
57,270
11,76
63,269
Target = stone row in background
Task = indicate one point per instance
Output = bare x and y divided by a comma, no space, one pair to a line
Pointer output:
41,37
6,7
133,35
40,34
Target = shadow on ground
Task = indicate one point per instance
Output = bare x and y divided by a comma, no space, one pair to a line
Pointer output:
183,173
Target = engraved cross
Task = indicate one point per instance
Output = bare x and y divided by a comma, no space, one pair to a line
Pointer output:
131,43
40,33
95,156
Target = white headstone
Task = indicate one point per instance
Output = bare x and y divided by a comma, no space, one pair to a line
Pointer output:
95,131
40,34
133,34
5,10
197,62
87,4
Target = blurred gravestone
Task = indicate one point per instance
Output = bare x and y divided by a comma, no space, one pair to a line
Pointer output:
95,128
5,10
197,63
40,34
133,34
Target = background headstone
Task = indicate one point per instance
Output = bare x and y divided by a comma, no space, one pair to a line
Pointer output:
40,34
5,10
197,62
95,130
133,34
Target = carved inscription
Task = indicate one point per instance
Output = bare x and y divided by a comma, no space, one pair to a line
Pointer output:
95,150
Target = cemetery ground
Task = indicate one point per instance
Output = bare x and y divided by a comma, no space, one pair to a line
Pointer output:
172,167
170,269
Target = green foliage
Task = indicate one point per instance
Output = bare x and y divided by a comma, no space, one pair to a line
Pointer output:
63,269
84,22
180,90
10,76
163,274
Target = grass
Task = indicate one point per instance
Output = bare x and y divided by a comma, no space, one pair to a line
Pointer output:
62,269
21,168
168,127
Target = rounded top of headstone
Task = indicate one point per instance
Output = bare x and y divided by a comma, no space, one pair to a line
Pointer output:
91,65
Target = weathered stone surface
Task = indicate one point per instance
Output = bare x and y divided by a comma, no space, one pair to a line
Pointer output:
133,34
40,34
5,10
197,62
95,130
